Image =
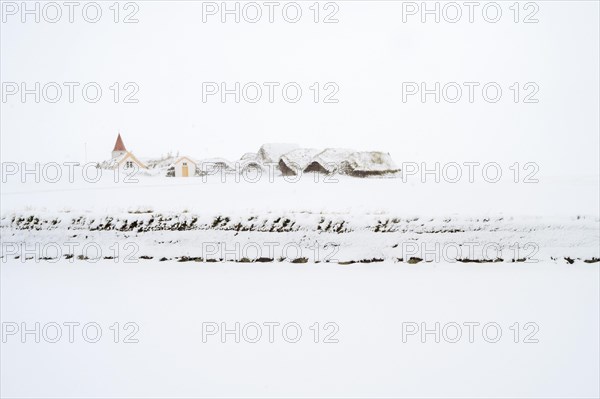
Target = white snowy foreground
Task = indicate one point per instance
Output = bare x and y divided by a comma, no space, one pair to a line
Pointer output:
555,356
353,283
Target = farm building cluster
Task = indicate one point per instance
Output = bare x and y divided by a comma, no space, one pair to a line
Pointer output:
287,159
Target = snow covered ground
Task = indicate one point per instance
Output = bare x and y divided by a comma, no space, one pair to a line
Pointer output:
311,192
524,325
169,302
323,219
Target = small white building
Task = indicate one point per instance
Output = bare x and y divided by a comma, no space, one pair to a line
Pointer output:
185,167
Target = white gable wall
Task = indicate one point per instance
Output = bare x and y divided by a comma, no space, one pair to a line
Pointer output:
129,163
180,165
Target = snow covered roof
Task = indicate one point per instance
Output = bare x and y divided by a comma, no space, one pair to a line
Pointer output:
109,164
250,160
250,163
272,152
297,160
163,162
330,160
371,163
249,156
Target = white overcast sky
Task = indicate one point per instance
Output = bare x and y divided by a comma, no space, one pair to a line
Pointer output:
369,53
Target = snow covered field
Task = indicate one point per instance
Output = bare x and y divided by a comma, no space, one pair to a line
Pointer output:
315,193
371,316
169,302
346,219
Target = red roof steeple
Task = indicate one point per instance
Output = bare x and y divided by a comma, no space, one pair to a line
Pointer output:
119,146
